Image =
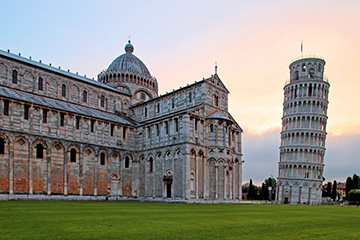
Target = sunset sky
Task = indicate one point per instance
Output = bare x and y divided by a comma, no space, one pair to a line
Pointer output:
253,43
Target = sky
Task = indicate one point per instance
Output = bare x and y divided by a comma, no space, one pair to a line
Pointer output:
253,43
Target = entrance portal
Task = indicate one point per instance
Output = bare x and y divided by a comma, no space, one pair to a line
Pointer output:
168,190
286,200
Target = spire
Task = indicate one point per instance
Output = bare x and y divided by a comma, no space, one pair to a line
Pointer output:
216,68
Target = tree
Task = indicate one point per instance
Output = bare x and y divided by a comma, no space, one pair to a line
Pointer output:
245,188
328,189
251,191
349,184
334,192
355,180
354,196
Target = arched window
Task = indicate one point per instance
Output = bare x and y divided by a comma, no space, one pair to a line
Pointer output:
40,83
150,163
6,108
296,75
311,73
190,97
102,158
14,76
85,96
39,151
211,128
176,125
173,103
73,155
2,146
158,107
102,101
63,90
142,96
216,98
127,162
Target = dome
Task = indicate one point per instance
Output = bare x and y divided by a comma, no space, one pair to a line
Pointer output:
128,62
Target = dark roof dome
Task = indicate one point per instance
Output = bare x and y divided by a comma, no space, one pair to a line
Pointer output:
128,62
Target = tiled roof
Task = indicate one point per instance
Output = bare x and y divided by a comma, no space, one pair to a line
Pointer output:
62,105
59,71
217,115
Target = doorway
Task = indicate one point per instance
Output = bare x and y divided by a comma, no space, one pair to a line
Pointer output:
168,189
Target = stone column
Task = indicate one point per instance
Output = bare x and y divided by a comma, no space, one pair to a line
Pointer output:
95,174
81,171
299,201
224,169
216,181
65,171
11,167
48,165
196,177
30,157
206,179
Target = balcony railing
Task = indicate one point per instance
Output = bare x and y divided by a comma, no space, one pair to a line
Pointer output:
307,78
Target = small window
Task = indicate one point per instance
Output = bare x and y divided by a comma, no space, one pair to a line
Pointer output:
92,125
303,67
78,122
14,76
296,75
6,108
145,112
2,146
190,97
85,96
39,151
211,128
311,72
196,124
45,112
26,112
124,132
157,130
173,103
62,119
102,101
176,125
149,132
127,162
112,127
73,155
40,84
63,90
102,158
142,96
166,127
151,163
158,107
216,100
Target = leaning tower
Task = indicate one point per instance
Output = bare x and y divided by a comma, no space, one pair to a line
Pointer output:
303,134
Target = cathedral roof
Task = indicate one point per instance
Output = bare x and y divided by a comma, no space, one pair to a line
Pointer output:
217,115
63,106
128,62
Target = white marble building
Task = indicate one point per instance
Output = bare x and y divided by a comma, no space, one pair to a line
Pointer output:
303,135
70,137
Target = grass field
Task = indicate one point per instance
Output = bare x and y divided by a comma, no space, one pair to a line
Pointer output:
137,220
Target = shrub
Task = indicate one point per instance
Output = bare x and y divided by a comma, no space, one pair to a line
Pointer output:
354,196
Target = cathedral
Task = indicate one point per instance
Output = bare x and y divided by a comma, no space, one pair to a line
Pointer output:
67,137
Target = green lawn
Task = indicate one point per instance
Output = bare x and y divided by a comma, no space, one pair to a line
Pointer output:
137,220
